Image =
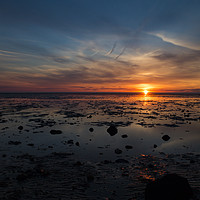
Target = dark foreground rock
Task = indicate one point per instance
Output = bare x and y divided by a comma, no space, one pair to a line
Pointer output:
155,146
112,130
20,128
124,136
91,129
14,142
169,187
165,137
128,147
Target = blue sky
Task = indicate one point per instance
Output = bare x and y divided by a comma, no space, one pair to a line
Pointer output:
99,45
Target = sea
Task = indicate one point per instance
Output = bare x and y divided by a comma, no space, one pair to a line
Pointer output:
146,135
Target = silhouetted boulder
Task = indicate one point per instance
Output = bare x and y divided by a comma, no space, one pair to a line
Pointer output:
55,132
91,129
20,128
124,136
30,144
77,144
112,130
165,137
128,147
169,187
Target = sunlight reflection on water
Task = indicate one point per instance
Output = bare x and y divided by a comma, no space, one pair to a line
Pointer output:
143,118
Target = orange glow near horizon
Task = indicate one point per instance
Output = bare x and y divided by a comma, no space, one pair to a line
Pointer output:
146,92
36,84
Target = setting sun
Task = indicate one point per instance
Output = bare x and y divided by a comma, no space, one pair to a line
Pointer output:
145,92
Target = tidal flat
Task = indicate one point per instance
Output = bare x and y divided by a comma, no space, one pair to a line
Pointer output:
96,146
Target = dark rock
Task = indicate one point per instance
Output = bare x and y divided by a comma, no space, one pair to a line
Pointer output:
20,128
121,161
91,129
155,146
124,136
77,144
55,132
30,144
112,130
165,137
169,187
118,151
14,142
128,147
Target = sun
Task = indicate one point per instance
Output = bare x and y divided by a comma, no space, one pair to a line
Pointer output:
145,92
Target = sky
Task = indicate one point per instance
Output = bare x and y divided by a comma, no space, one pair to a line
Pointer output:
99,45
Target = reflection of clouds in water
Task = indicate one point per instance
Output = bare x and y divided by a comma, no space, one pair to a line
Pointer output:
142,123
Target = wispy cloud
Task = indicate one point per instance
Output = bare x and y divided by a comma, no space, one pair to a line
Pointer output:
104,45
176,40
185,58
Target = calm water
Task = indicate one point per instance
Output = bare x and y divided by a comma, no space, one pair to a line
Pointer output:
144,119
156,134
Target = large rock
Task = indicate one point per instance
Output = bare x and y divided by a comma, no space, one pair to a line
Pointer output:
91,129
112,130
165,137
169,187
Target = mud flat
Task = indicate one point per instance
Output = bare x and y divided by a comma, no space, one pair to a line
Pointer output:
63,146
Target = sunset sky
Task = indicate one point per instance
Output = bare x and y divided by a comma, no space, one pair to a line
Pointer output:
99,45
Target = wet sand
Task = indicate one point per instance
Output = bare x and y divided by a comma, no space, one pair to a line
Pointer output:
59,146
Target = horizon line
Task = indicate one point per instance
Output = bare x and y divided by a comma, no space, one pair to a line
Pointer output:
99,92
